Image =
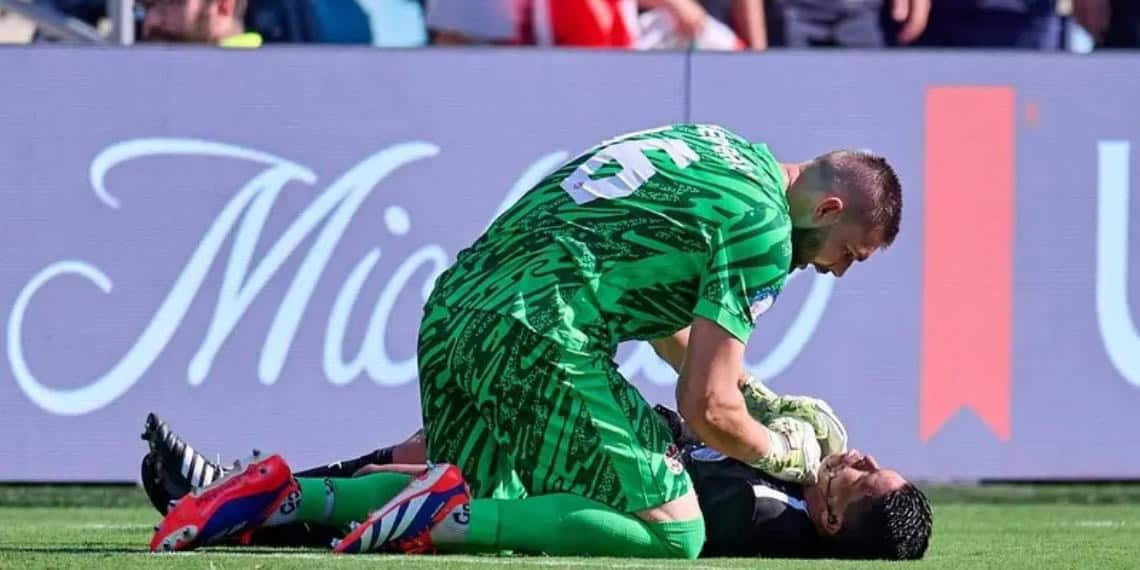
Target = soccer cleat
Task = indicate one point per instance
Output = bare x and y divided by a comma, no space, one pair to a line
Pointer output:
231,507
172,468
404,525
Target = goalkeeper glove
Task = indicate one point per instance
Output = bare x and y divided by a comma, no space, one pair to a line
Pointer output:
793,451
829,430
764,405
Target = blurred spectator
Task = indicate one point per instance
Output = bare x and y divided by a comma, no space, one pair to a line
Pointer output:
1030,24
745,17
1111,23
908,20
658,29
386,23
844,23
87,11
591,23
280,21
219,22
580,23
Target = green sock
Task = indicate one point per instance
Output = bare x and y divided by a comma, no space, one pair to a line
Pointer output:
337,502
565,525
558,525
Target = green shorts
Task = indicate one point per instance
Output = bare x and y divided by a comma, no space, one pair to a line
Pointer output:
521,415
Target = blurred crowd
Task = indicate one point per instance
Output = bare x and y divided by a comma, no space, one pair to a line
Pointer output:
635,24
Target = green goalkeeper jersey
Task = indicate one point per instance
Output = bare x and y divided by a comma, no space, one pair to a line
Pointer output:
633,239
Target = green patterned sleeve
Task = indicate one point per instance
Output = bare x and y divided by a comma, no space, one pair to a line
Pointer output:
748,263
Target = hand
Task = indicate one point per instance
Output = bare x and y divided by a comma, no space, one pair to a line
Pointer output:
763,404
690,16
1093,16
794,454
760,400
830,431
913,15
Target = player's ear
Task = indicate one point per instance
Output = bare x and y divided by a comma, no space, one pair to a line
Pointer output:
828,210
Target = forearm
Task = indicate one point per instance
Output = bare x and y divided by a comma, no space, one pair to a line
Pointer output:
721,420
672,350
748,20
405,468
716,413
711,401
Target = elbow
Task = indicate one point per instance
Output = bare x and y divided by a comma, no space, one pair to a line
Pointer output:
706,412
693,407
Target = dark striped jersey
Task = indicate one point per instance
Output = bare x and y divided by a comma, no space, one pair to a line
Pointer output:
748,513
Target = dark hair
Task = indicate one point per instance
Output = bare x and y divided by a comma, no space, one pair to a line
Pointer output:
873,183
240,6
894,526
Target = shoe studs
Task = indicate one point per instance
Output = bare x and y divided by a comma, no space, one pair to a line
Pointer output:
335,543
352,526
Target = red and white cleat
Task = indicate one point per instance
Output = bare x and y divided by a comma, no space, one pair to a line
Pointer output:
229,507
404,525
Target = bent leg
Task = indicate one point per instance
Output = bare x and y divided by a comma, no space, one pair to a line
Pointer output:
561,453
570,525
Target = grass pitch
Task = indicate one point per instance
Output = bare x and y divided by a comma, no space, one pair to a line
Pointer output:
987,527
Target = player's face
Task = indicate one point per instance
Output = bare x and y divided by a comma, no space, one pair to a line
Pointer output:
833,249
847,478
176,21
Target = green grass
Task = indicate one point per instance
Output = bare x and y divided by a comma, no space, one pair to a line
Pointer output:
975,527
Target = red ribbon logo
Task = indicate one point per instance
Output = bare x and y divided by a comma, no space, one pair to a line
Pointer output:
968,252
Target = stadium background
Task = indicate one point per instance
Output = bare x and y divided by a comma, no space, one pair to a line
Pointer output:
240,240
149,192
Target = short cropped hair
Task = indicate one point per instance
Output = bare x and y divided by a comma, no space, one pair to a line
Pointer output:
894,526
874,185
240,6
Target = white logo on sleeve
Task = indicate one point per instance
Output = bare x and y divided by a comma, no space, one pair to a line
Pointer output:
762,301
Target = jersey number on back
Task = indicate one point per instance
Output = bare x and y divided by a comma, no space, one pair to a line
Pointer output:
636,169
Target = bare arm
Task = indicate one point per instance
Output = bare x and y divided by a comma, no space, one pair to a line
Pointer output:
709,398
913,15
672,349
410,456
749,23
1094,16
405,468
690,14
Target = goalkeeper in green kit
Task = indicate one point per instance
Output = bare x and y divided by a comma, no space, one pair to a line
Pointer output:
681,236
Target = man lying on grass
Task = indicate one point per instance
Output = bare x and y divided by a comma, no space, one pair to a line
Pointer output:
853,509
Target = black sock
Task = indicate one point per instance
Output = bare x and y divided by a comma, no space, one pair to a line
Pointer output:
347,468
